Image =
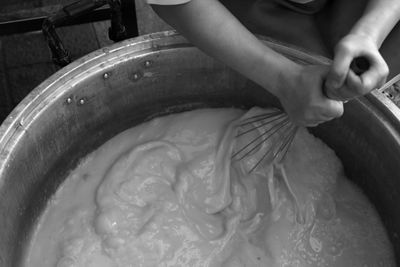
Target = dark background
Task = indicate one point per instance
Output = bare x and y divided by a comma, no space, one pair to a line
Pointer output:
25,59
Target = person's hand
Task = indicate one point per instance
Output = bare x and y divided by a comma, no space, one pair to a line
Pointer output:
344,84
302,97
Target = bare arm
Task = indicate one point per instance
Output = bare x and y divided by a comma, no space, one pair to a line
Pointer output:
212,28
378,20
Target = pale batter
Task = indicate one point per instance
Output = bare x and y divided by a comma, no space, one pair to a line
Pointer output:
165,193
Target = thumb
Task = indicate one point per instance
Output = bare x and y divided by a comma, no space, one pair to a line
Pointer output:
335,109
339,70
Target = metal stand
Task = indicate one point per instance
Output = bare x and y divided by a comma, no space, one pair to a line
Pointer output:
117,31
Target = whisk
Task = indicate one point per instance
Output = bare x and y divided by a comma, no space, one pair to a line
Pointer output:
271,126
274,132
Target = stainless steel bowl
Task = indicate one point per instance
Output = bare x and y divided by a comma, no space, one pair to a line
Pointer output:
112,89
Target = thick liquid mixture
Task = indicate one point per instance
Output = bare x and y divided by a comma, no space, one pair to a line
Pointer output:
166,193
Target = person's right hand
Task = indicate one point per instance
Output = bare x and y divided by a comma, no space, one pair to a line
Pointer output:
302,97
344,84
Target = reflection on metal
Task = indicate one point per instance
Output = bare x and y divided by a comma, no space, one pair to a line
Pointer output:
148,63
136,76
81,101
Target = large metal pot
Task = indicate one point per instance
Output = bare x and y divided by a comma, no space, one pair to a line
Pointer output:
115,88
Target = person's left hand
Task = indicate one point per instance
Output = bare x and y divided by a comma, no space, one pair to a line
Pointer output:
342,83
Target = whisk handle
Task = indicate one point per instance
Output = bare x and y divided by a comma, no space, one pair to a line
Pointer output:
359,65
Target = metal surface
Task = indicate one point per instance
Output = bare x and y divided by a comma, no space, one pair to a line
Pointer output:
117,32
121,86
24,24
271,125
31,19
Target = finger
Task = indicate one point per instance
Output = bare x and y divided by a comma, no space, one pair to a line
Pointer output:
376,75
353,88
333,109
317,122
313,125
308,122
339,68
372,78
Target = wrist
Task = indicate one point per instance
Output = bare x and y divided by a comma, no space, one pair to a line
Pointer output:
281,72
367,32
286,79
377,21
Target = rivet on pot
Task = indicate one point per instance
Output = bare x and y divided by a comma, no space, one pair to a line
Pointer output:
81,101
136,76
20,124
106,76
148,63
69,100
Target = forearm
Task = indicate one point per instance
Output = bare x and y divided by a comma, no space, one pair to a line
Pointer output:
378,20
211,27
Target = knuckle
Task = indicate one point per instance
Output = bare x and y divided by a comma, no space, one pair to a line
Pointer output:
339,111
335,109
385,70
371,84
343,47
381,65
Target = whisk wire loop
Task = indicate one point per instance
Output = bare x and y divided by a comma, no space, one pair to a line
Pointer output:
261,117
287,144
274,125
273,118
264,137
280,150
